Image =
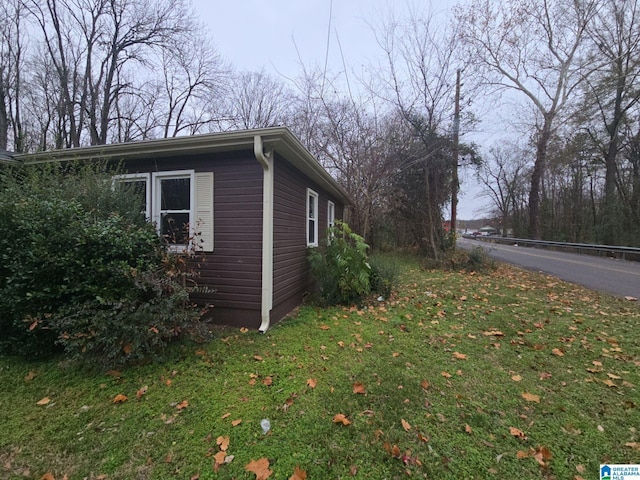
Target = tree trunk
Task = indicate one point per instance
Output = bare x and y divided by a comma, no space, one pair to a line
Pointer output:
536,178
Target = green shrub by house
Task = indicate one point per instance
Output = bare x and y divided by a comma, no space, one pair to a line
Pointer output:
340,266
82,270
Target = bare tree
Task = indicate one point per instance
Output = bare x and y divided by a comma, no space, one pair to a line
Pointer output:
12,15
612,92
532,47
257,100
502,175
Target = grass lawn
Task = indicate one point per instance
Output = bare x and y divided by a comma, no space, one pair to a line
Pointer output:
505,374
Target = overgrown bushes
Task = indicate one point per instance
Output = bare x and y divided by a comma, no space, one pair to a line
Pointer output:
82,270
343,271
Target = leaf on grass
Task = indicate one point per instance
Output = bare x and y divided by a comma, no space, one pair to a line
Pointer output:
324,327
609,383
541,455
237,422
298,474
425,384
613,377
43,401
406,425
226,415
312,382
468,429
223,443
341,418
516,432
182,405
493,333
268,381
219,457
258,358
634,445
120,398
48,476
140,393
459,356
127,349
446,374
530,397
359,388
520,454
516,378
260,468
558,352
30,376
396,354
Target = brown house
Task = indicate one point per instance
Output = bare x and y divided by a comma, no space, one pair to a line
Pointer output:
254,201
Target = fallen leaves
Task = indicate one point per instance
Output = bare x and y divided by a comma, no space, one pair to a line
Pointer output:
359,388
298,474
459,356
516,432
557,352
530,397
120,398
341,418
405,425
312,382
43,401
542,455
182,405
260,468
141,392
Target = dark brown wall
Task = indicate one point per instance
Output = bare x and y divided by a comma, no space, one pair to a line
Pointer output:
234,269
291,277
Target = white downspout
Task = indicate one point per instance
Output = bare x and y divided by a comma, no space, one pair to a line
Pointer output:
266,160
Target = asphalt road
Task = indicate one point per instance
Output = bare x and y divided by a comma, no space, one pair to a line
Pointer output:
617,277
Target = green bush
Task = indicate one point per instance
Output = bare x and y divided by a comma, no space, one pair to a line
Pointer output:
384,274
340,266
81,269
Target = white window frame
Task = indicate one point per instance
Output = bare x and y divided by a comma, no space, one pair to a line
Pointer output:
157,201
136,177
312,196
331,214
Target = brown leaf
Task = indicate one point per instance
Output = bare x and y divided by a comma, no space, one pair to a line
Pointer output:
268,381
613,377
516,432
609,383
237,422
341,418
30,376
359,388
520,454
634,445
516,378
298,474
459,356
120,398
182,405
324,327
43,401
530,397
425,384
219,457
127,349
493,333
467,428
446,374
48,476
260,468
558,352
140,393
406,425
226,415
312,382
223,443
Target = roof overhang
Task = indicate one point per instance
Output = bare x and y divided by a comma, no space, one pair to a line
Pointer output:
279,139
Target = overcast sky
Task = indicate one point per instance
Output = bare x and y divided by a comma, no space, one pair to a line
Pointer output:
278,35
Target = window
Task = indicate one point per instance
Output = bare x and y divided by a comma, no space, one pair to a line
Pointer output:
312,218
139,182
180,203
331,214
173,200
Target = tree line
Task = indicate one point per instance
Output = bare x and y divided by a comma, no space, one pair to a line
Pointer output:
90,72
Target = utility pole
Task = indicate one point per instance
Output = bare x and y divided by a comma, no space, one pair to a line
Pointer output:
454,175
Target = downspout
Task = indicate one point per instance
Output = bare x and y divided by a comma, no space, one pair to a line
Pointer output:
266,160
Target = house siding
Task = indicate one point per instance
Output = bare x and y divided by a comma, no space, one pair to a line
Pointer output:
230,276
291,275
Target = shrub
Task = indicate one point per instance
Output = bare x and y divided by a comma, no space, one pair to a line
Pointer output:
384,274
81,270
340,266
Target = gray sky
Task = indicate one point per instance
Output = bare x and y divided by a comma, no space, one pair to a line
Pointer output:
278,35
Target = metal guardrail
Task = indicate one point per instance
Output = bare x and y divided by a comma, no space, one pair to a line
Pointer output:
624,253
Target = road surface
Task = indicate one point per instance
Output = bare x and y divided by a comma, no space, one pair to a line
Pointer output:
617,277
